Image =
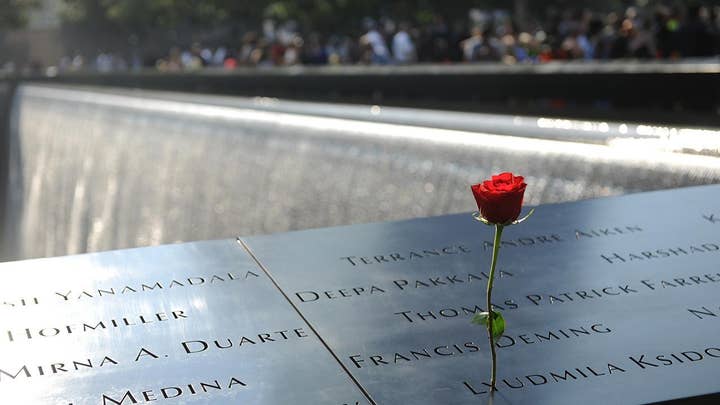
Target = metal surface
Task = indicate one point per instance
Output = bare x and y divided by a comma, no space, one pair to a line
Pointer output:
54,350
388,299
93,170
606,301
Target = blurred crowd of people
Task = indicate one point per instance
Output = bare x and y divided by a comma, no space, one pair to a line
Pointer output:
640,33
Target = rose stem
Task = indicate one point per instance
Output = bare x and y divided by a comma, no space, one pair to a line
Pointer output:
496,250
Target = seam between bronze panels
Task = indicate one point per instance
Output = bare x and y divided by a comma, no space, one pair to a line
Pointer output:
297,310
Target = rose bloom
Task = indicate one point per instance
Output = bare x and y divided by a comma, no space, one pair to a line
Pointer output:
500,198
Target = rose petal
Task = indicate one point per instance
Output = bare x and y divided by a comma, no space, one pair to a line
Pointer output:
500,198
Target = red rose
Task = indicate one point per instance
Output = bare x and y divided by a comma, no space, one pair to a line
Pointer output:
500,199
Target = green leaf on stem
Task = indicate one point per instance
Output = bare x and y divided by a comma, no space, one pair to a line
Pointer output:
481,318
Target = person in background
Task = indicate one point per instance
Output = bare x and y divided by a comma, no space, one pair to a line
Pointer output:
696,33
403,47
477,48
78,62
230,63
291,56
642,42
471,45
249,42
103,62
376,43
313,51
259,56
337,50
665,30
218,58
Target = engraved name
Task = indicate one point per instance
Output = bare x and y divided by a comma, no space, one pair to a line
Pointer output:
688,281
93,326
173,391
30,371
602,232
525,241
199,346
618,258
550,377
410,255
635,363
398,285
450,312
580,295
418,354
704,312
450,280
552,335
153,287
